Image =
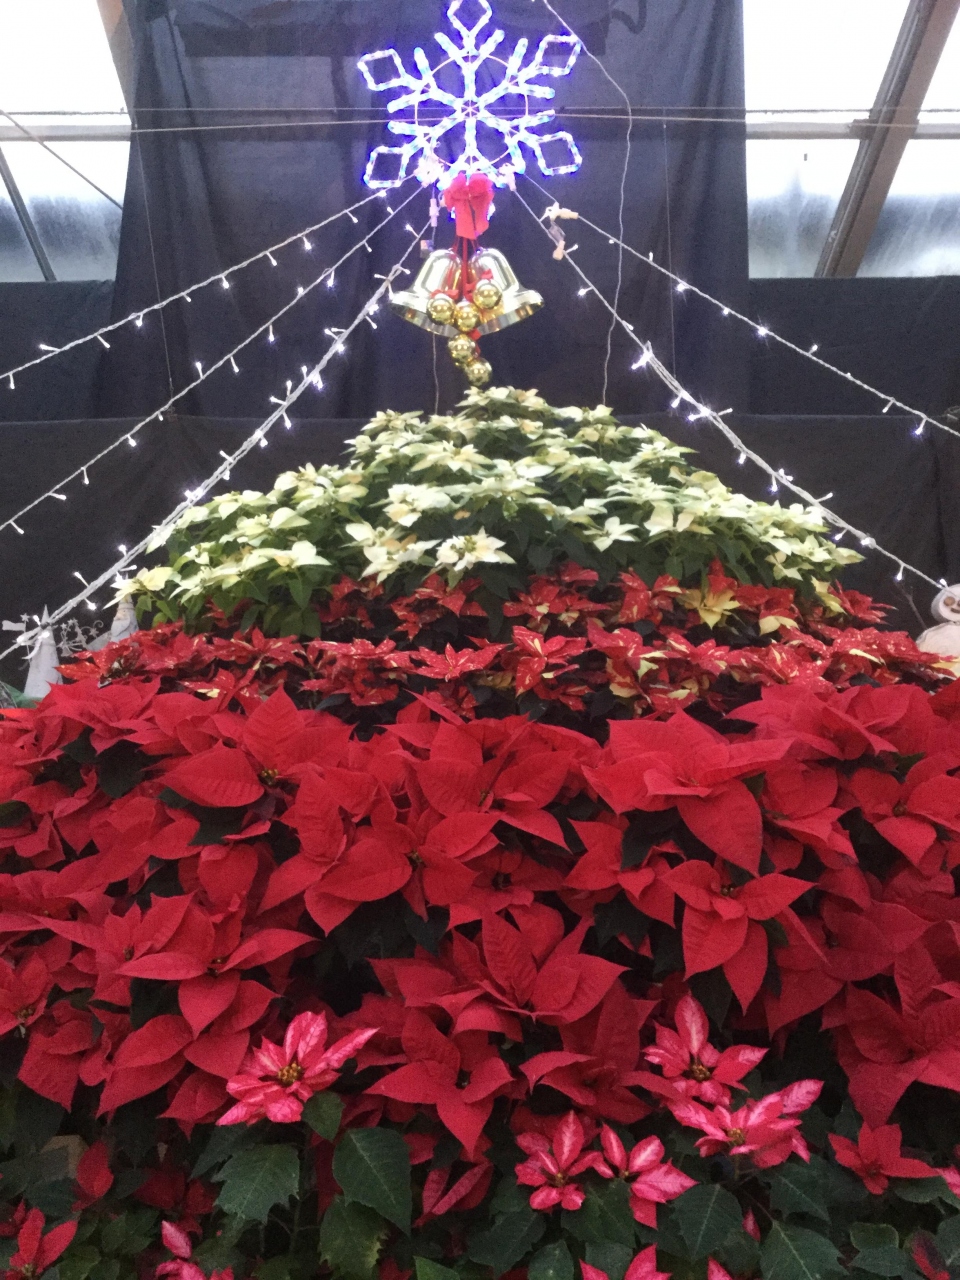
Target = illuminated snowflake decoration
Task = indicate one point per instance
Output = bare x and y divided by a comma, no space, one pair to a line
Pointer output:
464,132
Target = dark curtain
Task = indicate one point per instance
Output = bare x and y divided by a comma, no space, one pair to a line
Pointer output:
900,488
53,313
900,336
234,163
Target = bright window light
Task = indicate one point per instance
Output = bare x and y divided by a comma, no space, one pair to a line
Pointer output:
822,55
56,68
943,96
54,55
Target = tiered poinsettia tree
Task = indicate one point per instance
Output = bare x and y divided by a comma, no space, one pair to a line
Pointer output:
510,853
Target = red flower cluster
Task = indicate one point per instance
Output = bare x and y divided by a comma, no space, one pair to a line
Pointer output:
483,932
652,649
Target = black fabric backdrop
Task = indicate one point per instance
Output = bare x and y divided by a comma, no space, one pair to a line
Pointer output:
884,479
54,313
901,336
199,200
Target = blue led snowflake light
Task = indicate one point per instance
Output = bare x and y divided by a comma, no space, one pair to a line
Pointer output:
472,110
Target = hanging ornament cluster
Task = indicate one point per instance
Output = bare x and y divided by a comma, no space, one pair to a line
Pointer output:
466,123
467,291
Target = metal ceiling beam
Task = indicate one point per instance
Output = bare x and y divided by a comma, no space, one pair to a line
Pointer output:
891,124
120,39
23,213
857,130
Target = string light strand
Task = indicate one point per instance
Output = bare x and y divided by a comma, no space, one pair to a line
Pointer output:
156,537
777,477
761,330
136,317
203,374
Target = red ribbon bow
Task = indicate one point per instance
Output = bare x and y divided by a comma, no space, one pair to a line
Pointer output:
470,198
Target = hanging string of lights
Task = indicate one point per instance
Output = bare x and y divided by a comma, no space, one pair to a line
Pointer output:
257,438
762,331
129,437
136,318
778,477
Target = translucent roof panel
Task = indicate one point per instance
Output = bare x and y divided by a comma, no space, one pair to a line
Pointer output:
818,59
918,233
794,187
17,261
78,228
943,96
54,56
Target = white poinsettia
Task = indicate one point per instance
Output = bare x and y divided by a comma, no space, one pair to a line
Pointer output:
614,530
503,476
466,458
151,579
463,553
407,502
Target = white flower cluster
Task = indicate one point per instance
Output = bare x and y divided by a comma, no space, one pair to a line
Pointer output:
507,464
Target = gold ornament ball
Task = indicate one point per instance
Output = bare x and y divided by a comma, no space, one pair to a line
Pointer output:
466,316
478,372
463,349
441,309
487,295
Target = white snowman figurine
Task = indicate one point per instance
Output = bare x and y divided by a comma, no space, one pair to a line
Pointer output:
944,638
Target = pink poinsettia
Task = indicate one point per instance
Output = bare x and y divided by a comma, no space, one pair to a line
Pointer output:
180,1265
643,1267
691,1065
554,1166
652,1180
276,1080
768,1130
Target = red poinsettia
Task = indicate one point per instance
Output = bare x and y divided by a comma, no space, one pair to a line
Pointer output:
94,1178
683,763
460,1076
721,923
36,1251
595,1068
875,1157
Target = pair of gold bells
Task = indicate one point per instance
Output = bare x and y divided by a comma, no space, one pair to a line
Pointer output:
441,301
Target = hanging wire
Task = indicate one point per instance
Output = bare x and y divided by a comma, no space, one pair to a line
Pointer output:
623,186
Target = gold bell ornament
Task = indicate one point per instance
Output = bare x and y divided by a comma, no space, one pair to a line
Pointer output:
464,295
462,349
478,372
466,315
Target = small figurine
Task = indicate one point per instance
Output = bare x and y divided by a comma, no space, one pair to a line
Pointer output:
944,638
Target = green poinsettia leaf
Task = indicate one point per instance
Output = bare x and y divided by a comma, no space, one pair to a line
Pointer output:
794,1253
507,1240
257,1179
351,1237
706,1215
552,1262
372,1167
